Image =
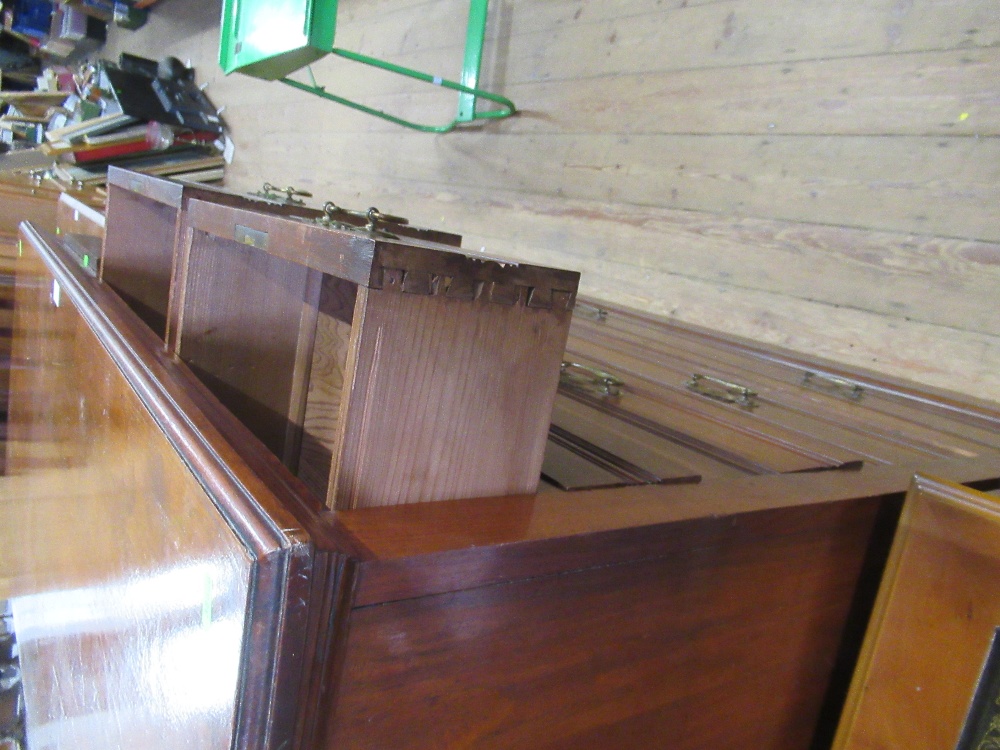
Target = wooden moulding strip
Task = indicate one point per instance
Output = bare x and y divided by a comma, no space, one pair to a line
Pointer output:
263,504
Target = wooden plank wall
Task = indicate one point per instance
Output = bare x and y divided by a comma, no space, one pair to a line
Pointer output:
819,175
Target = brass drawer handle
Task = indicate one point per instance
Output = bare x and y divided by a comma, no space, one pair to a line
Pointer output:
836,386
721,390
274,193
590,378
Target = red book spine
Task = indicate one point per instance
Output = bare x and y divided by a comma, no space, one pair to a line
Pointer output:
110,152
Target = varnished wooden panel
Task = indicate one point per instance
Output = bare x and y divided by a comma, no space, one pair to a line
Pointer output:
163,589
473,381
693,646
129,588
241,330
932,625
138,256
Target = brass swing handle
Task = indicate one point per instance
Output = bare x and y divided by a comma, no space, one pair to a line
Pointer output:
373,216
375,221
722,390
601,383
834,385
273,192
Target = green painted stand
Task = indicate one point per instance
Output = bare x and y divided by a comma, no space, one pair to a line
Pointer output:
271,39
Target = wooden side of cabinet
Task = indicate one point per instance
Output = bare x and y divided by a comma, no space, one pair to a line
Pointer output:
707,633
161,591
928,675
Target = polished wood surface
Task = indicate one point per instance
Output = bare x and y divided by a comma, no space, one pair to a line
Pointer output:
156,599
457,392
726,612
932,625
688,644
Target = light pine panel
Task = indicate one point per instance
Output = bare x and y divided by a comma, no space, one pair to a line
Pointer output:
819,175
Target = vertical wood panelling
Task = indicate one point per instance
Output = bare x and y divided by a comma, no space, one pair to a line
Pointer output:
818,175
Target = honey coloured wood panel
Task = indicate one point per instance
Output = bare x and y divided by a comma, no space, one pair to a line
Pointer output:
102,604
932,628
449,398
138,253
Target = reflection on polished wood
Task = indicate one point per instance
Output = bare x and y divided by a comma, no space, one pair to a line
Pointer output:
135,582
726,613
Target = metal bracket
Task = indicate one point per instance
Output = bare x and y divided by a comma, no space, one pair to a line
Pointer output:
372,218
722,390
833,385
274,193
591,379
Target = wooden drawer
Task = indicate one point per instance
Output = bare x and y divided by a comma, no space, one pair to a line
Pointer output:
381,363
703,406
145,223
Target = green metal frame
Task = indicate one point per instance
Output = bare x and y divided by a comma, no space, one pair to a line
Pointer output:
468,88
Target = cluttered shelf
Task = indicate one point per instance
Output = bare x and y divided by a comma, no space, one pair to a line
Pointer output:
150,116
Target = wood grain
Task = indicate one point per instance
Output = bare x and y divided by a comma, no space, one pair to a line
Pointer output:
860,96
240,331
942,93
722,658
890,183
473,392
932,624
138,253
326,383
